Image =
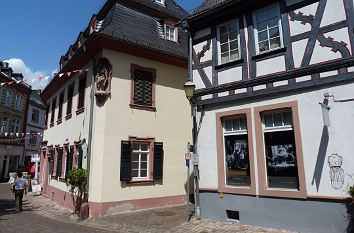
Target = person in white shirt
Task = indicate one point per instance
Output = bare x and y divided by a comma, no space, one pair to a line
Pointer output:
20,187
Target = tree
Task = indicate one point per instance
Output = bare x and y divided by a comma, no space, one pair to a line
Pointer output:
77,181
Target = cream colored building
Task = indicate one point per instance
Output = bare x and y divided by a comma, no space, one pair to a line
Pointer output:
118,108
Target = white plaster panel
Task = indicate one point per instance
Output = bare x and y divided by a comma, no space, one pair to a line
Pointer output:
297,27
317,170
230,75
202,33
208,54
323,54
351,69
340,35
226,93
259,87
298,51
303,78
328,73
205,97
334,12
271,65
197,80
280,83
242,90
207,160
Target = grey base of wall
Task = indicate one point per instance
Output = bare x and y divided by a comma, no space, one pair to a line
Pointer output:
307,216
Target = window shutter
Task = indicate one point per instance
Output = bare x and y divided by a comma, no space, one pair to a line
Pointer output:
69,159
125,161
158,160
51,162
59,162
79,162
143,88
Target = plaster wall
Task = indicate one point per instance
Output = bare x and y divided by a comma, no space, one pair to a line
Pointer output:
316,144
116,121
230,75
271,65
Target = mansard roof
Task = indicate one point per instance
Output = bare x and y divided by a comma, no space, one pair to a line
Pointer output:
133,26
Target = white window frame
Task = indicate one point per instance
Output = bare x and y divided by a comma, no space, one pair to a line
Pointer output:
140,152
8,98
16,124
284,127
238,41
4,124
256,29
167,26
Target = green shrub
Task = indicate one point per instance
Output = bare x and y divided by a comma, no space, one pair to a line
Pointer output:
351,191
76,181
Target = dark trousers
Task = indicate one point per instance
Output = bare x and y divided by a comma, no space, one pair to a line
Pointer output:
18,199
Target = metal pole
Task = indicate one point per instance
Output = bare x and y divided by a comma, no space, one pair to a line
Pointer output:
188,191
195,167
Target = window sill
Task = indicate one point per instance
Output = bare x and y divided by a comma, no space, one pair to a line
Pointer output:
147,181
269,54
51,125
68,117
241,190
142,107
283,193
62,179
59,121
229,64
80,110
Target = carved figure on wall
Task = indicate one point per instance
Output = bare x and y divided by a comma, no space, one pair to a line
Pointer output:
336,171
103,77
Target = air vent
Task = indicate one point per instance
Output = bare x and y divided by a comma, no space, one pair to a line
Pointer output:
233,215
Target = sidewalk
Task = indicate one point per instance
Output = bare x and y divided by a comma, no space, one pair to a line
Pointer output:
166,219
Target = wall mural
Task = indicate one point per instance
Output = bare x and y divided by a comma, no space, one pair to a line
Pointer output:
336,172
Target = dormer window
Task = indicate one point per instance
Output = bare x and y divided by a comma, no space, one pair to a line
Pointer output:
162,2
170,32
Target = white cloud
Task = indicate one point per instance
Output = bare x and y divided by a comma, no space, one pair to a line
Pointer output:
37,79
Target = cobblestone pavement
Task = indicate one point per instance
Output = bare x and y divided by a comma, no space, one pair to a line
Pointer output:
43,215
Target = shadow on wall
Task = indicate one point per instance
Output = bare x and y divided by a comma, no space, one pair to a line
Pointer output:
321,157
349,204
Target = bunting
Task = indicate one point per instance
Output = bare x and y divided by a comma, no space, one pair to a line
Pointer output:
68,74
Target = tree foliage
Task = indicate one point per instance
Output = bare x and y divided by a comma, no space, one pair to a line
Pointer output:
77,181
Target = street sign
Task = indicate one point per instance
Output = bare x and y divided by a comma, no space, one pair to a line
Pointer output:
188,155
195,159
35,158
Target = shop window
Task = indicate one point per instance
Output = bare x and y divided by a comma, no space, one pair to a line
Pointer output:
141,160
237,163
280,150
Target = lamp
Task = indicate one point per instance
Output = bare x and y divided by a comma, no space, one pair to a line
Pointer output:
189,89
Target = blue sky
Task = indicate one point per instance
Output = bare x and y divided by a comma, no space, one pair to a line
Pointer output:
35,33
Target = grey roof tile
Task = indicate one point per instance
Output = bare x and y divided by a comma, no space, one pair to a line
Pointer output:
208,5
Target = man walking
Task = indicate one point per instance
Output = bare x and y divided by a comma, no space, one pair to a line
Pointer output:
20,187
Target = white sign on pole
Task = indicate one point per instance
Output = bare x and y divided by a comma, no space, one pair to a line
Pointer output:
35,158
195,159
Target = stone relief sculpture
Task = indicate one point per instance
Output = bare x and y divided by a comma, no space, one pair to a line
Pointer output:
336,172
103,77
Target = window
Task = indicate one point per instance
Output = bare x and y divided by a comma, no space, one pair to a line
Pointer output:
237,163
170,32
19,102
8,98
54,102
81,98
33,138
69,105
228,42
60,108
141,160
79,155
143,87
4,124
16,125
35,115
69,159
268,31
59,162
51,162
280,151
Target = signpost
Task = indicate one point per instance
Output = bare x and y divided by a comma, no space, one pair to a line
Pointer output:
35,159
188,157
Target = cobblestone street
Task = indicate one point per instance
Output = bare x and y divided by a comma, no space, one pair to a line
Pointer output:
43,215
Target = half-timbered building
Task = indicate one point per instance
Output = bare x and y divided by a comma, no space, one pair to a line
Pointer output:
274,88
117,108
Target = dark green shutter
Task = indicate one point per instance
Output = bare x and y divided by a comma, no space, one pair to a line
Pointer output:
158,160
51,162
69,159
79,162
125,161
59,162
143,87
